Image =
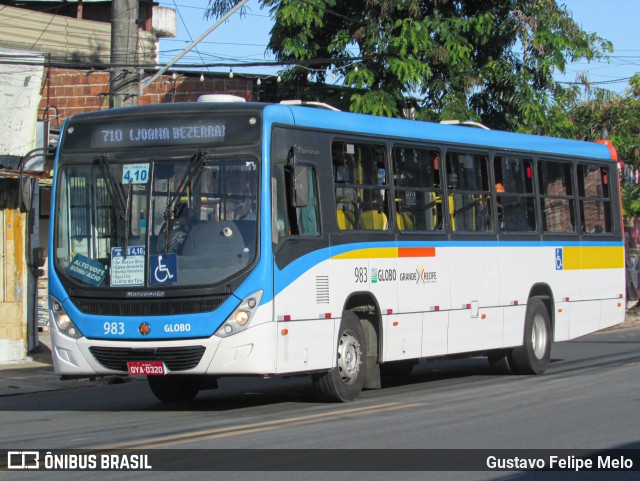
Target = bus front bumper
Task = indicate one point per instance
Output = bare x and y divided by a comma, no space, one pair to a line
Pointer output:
249,352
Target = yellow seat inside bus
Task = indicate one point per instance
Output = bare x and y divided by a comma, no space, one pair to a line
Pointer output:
373,220
405,220
346,219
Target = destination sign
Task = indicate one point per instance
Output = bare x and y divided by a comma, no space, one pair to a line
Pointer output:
161,131
156,133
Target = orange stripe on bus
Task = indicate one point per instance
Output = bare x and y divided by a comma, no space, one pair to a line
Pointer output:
417,252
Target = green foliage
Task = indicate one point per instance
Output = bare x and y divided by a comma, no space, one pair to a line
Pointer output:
491,61
487,60
630,199
619,116
375,102
634,84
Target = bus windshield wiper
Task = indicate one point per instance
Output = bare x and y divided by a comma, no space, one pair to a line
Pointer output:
195,166
121,204
114,189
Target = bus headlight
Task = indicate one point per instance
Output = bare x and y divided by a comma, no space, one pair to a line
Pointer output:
63,322
240,318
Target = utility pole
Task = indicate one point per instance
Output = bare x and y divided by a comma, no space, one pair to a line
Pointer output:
123,80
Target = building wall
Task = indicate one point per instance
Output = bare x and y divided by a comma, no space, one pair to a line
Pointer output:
13,314
64,38
66,92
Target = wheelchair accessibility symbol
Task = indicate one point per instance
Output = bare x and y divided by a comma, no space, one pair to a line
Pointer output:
163,268
559,265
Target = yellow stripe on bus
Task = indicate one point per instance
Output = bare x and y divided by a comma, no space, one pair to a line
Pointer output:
388,253
575,258
370,253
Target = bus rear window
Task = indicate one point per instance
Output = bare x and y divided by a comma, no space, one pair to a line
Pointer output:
595,202
556,196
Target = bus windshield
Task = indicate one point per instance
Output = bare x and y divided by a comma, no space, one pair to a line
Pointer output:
159,223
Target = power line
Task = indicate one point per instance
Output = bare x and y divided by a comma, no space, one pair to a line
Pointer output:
205,8
241,61
46,27
213,42
18,60
187,29
598,82
28,12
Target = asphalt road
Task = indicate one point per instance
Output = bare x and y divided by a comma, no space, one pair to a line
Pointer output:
589,398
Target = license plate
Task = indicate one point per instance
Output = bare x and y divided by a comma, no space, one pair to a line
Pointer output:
146,368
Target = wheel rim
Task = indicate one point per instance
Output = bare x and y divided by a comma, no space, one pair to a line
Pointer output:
349,357
539,337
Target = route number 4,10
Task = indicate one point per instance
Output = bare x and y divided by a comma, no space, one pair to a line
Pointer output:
135,174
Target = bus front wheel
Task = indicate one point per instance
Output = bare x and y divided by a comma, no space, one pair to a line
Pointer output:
174,389
344,382
534,354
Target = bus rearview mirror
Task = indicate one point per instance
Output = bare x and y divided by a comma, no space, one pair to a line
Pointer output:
301,186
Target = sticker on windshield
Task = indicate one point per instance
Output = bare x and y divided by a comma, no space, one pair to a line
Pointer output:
127,270
163,268
135,173
86,270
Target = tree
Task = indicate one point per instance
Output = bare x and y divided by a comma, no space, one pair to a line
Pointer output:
486,60
620,116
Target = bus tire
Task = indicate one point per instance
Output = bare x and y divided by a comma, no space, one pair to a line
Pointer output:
174,389
534,354
345,381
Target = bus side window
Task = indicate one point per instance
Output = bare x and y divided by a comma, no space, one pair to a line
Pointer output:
514,194
302,213
595,203
307,216
418,193
556,196
361,187
346,197
469,195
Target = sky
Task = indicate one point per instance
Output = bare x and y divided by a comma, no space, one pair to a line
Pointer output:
244,39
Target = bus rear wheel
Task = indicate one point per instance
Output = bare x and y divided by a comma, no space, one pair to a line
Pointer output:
174,389
534,354
344,382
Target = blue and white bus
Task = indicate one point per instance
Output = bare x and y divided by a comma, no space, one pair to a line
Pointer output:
199,240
